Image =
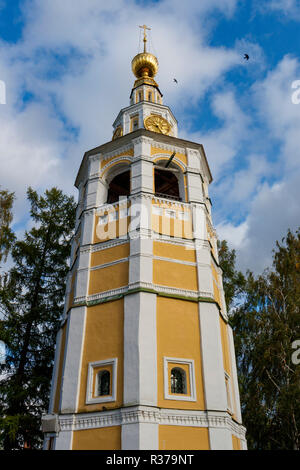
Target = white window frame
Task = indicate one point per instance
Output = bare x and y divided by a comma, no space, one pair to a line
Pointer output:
90,399
177,362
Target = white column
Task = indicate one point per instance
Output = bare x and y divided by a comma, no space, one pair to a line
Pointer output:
220,438
82,276
142,166
63,441
140,436
140,357
203,254
234,377
55,370
72,367
87,231
212,357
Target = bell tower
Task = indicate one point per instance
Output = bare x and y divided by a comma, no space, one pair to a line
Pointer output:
144,356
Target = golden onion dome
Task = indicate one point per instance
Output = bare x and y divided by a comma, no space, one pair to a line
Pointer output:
144,65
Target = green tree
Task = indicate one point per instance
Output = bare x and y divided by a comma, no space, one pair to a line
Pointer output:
233,280
265,326
6,235
31,303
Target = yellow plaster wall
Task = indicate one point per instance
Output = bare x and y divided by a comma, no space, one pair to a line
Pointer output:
103,340
110,254
216,286
178,336
108,278
178,275
60,368
183,438
98,439
174,227
236,443
170,250
111,230
225,346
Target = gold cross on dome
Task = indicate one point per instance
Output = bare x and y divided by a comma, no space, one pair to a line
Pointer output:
145,27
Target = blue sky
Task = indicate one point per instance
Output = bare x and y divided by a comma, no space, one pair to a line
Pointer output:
66,66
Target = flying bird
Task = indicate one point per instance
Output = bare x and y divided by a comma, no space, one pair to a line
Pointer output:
246,56
174,79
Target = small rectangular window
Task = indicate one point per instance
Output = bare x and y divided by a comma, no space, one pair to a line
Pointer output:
134,123
179,379
101,382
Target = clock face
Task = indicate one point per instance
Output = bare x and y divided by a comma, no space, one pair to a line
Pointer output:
118,133
157,123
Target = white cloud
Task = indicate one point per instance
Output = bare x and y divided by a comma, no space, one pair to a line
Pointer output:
96,41
274,207
289,8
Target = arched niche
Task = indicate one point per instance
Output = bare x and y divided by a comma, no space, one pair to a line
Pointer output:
169,181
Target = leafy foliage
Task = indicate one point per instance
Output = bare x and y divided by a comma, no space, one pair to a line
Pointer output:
31,302
265,326
6,235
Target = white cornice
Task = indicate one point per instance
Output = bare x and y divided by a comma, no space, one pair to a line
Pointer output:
145,414
124,148
144,285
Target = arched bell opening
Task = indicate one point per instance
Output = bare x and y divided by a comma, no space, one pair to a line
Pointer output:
119,186
168,181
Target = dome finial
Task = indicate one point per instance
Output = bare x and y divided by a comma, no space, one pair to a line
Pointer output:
145,64
145,35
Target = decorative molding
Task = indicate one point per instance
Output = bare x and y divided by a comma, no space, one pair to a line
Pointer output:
144,414
171,148
142,139
96,157
111,263
174,260
155,288
113,153
116,160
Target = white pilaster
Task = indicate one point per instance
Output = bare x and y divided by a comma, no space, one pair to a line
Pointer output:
212,357
72,367
140,357
82,277
140,436
87,233
234,377
63,440
55,370
220,438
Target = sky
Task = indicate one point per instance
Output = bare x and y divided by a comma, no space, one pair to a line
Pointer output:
66,67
